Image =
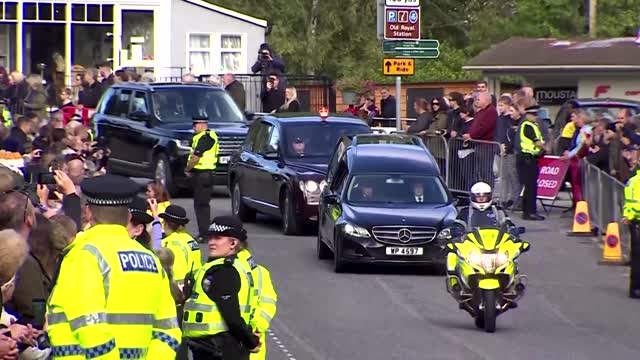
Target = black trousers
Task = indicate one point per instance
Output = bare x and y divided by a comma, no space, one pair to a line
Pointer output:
634,278
229,347
527,166
202,190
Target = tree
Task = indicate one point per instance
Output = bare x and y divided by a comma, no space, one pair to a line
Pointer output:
338,37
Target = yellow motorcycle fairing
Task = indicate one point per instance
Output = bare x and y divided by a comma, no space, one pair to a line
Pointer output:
483,241
489,284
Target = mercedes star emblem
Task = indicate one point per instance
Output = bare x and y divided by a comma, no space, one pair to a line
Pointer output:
404,235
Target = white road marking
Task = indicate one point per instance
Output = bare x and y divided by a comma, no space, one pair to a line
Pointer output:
302,343
271,334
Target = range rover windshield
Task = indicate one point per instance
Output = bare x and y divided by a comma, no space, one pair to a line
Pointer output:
183,103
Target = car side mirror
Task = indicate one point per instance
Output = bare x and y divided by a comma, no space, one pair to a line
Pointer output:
521,230
331,199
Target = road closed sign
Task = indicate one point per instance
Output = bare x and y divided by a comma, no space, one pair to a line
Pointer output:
552,173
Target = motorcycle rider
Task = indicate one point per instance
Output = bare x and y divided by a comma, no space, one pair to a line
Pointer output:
483,213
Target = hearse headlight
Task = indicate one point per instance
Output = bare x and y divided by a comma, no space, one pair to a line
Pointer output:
445,234
355,230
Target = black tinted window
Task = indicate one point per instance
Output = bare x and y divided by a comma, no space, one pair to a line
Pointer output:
316,140
252,136
124,99
139,103
397,188
182,104
262,138
110,105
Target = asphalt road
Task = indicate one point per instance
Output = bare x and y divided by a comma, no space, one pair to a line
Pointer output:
573,308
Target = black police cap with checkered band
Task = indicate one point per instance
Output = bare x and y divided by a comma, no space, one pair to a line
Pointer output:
109,190
228,226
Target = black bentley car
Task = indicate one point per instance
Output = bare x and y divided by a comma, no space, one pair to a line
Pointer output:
281,164
384,203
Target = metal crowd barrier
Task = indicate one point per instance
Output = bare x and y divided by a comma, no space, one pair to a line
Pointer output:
462,162
605,197
471,161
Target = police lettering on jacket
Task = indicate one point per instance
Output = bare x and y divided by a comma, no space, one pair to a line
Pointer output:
137,261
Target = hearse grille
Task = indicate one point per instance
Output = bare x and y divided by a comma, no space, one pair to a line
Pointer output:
404,234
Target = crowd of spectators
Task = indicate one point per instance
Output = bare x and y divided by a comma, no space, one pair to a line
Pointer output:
41,207
479,118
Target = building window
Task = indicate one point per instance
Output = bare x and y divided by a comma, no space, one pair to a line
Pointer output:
216,53
199,53
231,54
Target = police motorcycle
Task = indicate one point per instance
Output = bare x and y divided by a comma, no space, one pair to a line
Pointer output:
482,272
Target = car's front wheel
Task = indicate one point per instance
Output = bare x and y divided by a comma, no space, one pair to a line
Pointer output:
162,174
290,223
238,207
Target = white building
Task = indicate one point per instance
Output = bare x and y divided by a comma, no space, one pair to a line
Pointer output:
170,36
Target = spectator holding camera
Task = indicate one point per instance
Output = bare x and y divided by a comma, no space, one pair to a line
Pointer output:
267,62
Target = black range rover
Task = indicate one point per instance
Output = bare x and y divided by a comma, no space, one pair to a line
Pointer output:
148,128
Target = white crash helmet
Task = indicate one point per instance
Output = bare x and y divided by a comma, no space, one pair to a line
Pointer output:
481,196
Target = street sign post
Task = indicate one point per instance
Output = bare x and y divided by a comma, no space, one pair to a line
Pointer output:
405,3
398,67
402,23
422,49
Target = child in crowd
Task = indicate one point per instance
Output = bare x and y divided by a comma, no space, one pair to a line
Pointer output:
157,191
68,108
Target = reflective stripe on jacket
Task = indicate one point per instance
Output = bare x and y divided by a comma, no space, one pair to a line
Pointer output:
209,158
186,253
201,314
111,300
265,302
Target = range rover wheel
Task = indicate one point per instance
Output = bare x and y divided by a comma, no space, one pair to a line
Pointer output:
239,209
324,252
162,174
290,224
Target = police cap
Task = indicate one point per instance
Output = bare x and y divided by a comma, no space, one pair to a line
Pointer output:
109,190
228,226
138,210
533,110
175,214
200,119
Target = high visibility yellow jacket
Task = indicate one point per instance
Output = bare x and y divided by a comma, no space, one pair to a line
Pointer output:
631,209
265,302
201,314
186,253
111,300
209,159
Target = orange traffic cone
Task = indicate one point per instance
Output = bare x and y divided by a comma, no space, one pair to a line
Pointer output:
581,221
612,252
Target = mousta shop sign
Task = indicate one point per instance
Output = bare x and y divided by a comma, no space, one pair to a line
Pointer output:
402,23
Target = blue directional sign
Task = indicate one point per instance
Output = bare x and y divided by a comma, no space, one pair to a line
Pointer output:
413,16
392,17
